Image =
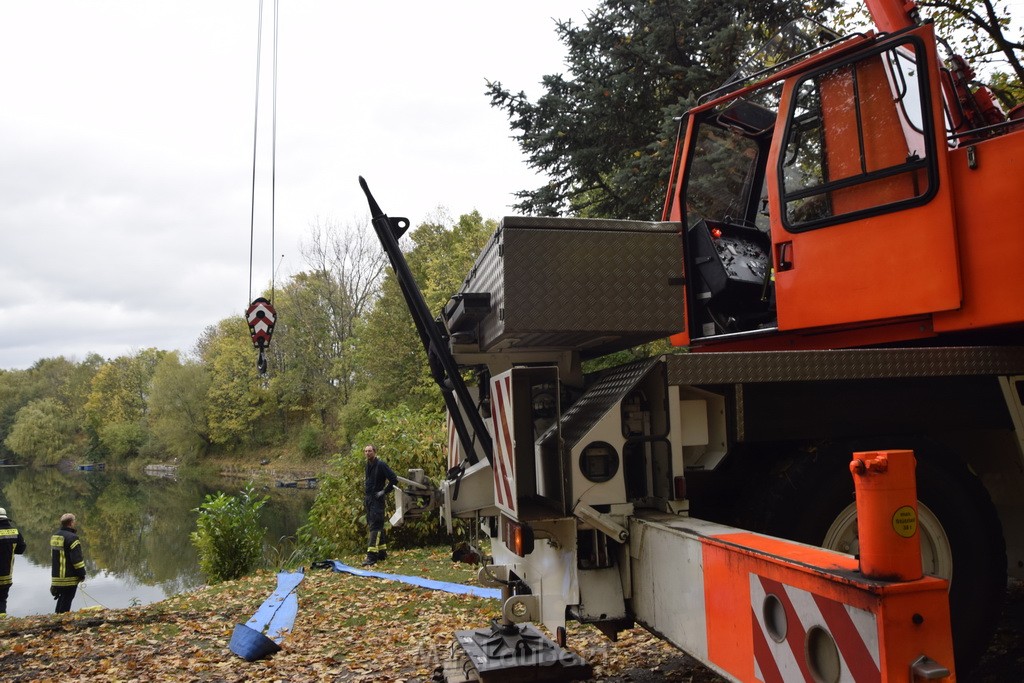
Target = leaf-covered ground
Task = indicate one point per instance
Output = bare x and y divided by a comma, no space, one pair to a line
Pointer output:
348,629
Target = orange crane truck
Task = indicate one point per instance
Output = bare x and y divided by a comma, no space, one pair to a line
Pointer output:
839,251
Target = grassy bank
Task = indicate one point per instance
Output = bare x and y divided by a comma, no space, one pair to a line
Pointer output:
348,629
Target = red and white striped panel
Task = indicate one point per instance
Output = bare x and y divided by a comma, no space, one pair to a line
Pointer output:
454,448
854,631
503,464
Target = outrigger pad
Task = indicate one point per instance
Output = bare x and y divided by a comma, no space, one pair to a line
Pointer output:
520,653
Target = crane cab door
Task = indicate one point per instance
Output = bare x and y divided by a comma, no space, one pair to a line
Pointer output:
861,212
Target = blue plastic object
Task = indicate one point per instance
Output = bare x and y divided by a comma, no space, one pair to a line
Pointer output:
263,633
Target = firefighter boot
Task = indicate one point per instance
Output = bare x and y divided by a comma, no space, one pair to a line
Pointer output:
371,558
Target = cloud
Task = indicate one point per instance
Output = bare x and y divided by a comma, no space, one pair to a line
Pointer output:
127,142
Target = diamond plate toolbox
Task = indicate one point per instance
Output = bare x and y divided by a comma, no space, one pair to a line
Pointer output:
596,285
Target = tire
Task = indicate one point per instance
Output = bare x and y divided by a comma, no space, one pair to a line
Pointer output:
809,498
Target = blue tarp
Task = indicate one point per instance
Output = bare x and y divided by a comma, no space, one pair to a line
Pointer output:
457,588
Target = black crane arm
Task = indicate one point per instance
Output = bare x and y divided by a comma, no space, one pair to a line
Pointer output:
443,367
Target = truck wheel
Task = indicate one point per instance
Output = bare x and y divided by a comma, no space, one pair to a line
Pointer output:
809,498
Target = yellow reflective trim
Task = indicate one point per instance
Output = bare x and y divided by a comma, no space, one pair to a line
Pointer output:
79,565
64,581
8,532
74,545
56,541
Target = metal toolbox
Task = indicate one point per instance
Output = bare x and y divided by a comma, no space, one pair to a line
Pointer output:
592,284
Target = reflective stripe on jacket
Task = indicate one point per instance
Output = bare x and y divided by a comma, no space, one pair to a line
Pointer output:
11,544
68,562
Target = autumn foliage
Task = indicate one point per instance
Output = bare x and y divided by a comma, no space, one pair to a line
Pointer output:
348,629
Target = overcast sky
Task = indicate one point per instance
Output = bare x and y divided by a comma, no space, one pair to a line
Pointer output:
126,148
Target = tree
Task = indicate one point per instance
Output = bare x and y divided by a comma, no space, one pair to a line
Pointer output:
177,407
42,432
119,401
14,395
308,354
120,388
238,399
605,132
61,379
986,35
392,366
984,32
348,265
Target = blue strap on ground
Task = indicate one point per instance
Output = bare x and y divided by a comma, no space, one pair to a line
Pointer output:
263,633
457,588
276,615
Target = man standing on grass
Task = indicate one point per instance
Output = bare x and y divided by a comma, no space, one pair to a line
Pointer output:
68,563
379,482
11,544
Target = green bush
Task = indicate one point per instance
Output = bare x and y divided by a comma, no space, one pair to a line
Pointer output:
229,536
405,439
311,440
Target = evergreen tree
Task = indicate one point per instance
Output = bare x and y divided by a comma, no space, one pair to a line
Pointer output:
605,131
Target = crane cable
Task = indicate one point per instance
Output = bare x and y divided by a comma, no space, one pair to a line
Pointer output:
261,315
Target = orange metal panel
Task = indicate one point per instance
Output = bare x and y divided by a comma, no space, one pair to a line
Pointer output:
990,221
674,212
879,628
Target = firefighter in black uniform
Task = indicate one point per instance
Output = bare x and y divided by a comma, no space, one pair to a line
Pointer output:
11,544
379,482
68,563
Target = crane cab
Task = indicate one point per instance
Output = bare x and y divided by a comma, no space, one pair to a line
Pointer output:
818,204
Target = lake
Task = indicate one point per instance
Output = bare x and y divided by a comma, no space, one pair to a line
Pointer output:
135,532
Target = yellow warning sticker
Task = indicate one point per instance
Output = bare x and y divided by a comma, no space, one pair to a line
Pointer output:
904,521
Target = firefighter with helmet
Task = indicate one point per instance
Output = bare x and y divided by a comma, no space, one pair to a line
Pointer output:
11,544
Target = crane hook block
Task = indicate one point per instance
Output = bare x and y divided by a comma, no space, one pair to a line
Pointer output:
261,316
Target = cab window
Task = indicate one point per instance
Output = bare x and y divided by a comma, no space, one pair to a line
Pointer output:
858,140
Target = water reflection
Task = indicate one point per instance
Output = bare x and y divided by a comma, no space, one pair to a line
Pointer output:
135,531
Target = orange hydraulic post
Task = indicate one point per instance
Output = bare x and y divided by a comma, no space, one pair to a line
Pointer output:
890,546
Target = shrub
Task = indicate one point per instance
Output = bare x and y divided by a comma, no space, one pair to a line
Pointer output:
311,440
122,439
228,536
